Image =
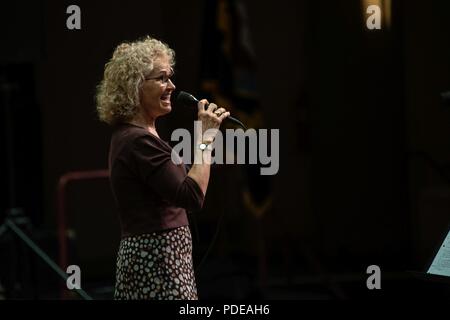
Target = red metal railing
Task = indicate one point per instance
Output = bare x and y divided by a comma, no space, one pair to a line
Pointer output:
63,181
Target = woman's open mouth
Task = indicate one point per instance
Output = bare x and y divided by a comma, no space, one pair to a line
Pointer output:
166,97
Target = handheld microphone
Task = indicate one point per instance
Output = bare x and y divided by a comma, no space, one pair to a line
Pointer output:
189,100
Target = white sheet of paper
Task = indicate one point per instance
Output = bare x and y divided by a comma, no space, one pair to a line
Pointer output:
441,263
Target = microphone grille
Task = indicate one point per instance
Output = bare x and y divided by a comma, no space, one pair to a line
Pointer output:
186,99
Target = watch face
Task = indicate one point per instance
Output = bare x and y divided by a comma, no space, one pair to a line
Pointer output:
203,146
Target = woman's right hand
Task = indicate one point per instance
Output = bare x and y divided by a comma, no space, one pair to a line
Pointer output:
211,119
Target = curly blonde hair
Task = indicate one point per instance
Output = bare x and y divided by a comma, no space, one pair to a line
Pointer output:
118,93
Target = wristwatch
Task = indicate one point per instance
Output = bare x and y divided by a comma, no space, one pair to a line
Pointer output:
204,146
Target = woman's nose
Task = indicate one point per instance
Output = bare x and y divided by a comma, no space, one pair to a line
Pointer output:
170,84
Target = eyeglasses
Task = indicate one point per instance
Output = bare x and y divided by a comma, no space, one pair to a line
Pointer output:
164,79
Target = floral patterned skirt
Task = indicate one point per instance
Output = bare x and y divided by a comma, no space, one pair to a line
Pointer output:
156,266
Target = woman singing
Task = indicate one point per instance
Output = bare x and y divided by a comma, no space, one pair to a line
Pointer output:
152,193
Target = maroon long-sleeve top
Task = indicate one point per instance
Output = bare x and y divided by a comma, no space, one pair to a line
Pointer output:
152,193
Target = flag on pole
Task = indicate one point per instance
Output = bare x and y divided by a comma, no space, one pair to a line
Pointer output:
228,77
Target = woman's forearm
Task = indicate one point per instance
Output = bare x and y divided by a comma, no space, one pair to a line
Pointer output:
200,170
210,118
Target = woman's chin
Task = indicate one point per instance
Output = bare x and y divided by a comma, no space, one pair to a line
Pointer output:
166,108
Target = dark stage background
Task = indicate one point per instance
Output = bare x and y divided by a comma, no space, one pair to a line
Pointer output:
364,145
